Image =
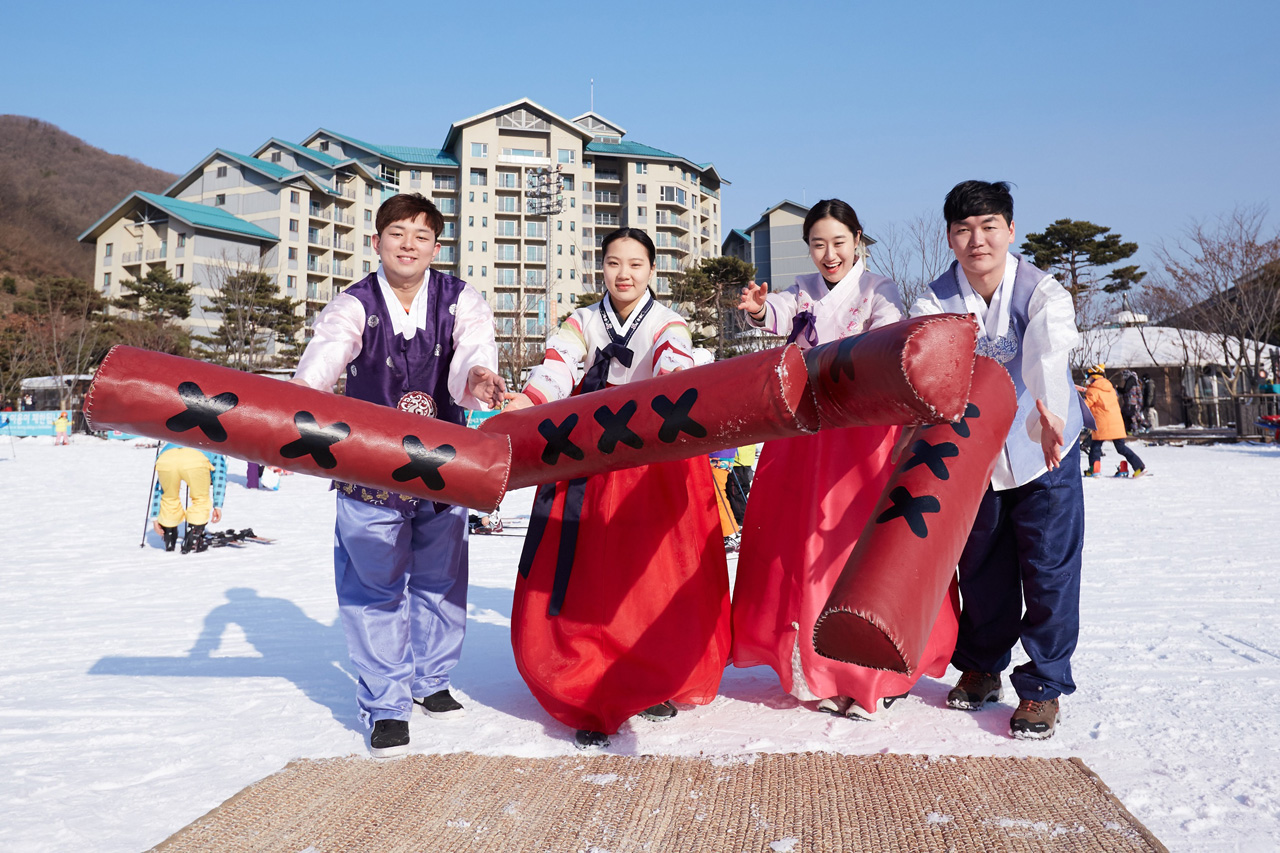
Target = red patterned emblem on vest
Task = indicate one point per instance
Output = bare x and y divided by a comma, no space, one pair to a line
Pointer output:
418,403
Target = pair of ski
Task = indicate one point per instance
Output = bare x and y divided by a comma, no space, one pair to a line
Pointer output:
234,538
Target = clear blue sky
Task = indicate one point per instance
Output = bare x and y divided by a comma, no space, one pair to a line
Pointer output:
1140,116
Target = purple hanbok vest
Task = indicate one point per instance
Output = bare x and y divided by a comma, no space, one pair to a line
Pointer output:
389,365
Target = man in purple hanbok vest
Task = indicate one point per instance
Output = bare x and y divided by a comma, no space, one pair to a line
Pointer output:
1026,541
400,563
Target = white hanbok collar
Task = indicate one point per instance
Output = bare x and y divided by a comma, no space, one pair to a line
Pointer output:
406,324
1001,301
839,291
620,327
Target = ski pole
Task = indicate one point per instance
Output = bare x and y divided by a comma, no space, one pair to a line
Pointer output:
13,449
151,492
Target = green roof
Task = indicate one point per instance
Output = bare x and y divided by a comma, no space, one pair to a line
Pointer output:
743,234
205,216
319,156
275,170
632,149
419,156
403,153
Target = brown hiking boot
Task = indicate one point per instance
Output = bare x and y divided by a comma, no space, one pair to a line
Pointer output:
1034,720
975,689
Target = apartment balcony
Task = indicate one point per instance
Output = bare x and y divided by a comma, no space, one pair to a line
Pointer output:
319,240
346,220
512,159
345,246
706,211
670,220
157,254
606,219
673,201
131,258
343,271
319,213
607,176
667,241
710,192
445,184
605,197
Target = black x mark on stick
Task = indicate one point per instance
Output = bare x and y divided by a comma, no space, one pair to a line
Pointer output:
424,463
202,411
911,509
315,440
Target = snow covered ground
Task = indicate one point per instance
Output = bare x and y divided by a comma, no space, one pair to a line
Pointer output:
140,689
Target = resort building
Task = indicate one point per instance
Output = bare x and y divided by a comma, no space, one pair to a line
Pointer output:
526,196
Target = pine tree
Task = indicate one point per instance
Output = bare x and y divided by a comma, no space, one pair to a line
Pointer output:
1076,250
158,297
253,316
708,294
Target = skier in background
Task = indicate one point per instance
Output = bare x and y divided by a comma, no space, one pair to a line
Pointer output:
205,474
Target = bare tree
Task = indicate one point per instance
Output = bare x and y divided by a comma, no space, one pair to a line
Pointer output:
67,335
913,254
1227,271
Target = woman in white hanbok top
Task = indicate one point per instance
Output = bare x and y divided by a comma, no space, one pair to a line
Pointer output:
814,494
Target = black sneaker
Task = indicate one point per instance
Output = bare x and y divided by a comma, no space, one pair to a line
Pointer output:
659,713
586,739
441,705
170,536
389,738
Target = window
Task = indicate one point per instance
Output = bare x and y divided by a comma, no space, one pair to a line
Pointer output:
559,248
560,296
485,198
470,270
573,250
368,190
642,212
573,202
447,205
559,224
571,274
471,221
415,175
535,254
275,156
479,177
293,282
572,226
293,225
446,182
566,155
450,230
178,270
368,241
484,222
390,175
222,171
293,253
559,273
182,240
642,190
106,281
368,216
479,149
471,245
294,198
568,183
324,145
484,272
642,168
367,267
220,199
507,204
471,196
106,252
484,245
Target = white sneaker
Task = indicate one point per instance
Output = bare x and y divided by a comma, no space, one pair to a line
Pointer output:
879,712
837,705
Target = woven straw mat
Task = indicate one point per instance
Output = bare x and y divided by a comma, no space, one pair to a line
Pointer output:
620,804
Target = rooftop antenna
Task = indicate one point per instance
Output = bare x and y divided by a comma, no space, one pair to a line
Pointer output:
593,94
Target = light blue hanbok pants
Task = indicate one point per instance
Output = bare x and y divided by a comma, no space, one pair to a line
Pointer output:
401,577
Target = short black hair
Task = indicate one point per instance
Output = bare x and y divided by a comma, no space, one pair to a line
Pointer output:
978,198
408,207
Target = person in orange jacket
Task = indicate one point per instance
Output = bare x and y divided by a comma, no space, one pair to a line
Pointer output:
1100,396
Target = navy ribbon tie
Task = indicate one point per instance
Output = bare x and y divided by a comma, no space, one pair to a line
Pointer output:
598,375
804,324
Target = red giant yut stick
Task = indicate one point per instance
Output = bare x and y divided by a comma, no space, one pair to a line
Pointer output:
882,608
